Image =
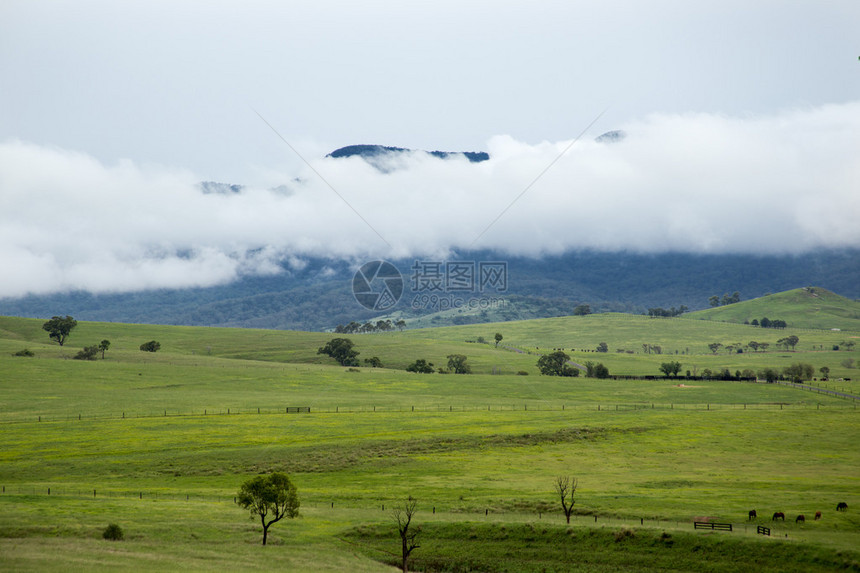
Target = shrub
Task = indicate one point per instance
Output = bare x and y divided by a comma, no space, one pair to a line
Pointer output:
522,373
113,532
421,366
88,353
601,371
151,346
25,352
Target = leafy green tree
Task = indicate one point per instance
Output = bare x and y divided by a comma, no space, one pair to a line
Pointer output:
408,535
670,368
88,353
556,364
421,366
58,328
400,324
341,349
715,347
714,300
768,374
498,338
799,371
272,498
825,372
458,365
565,488
788,341
589,368
151,346
603,347
103,346
601,371
582,310
373,362
754,345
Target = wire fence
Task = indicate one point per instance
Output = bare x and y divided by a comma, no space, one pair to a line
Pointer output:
384,508
440,408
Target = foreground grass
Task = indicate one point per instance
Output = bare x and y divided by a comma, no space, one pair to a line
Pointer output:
146,441
536,547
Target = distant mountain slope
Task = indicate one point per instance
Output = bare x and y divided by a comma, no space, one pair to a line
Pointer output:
809,307
318,295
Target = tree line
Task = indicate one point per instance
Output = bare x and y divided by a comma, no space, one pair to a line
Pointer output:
368,327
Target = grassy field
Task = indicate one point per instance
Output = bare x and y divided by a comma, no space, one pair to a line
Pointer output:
146,441
810,307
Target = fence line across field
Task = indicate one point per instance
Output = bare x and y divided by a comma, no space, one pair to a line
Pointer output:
435,408
428,509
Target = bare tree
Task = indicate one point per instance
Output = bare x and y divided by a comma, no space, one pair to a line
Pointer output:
408,535
565,487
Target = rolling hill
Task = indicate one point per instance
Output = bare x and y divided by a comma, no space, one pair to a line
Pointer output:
809,307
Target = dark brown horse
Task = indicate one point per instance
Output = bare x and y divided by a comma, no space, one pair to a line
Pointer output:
841,506
778,515
817,515
753,514
800,519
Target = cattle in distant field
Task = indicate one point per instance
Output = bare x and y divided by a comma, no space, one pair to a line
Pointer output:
841,506
817,515
753,514
778,515
800,519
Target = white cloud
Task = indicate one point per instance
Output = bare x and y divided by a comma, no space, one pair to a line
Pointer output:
696,182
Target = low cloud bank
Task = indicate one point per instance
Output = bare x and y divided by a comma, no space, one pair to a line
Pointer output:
692,183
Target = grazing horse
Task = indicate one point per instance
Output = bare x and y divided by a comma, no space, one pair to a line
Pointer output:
800,518
817,515
753,514
841,506
778,515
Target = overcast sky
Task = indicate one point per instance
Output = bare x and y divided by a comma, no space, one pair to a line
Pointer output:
743,123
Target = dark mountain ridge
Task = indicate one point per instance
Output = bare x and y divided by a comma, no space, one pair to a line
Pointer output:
377,151
319,296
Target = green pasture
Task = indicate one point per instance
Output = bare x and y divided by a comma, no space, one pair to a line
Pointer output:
811,307
146,441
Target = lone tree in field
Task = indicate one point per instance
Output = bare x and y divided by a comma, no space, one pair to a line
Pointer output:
151,346
103,346
458,365
670,368
59,328
565,487
555,364
272,497
341,350
498,338
403,515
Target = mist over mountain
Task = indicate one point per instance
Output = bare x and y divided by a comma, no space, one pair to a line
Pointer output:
316,293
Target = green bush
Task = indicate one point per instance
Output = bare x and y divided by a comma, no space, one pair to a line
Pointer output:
113,532
25,352
88,353
151,346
